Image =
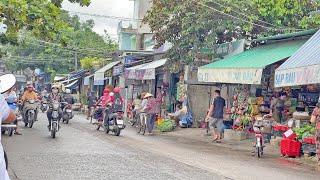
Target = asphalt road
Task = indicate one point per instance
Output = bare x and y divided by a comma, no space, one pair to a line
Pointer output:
81,152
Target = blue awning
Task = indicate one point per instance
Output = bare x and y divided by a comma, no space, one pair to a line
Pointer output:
303,67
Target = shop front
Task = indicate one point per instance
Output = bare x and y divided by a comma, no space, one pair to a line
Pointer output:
300,75
247,83
103,76
145,77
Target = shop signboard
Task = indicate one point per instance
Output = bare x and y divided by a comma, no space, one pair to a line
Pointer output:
140,74
98,79
117,70
130,59
234,76
298,76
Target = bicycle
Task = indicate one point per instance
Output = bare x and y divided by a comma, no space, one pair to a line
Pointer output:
142,123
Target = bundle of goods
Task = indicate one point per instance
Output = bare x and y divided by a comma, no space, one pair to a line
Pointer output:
289,145
305,131
309,140
167,125
301,115
279,129
309,145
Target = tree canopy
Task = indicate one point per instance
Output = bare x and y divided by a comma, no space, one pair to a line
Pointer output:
81,41
194,24
41,17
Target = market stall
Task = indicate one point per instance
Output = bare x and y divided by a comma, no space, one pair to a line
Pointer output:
250,77
301,72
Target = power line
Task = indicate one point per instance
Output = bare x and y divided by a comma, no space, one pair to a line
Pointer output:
105,16
233,17
242,13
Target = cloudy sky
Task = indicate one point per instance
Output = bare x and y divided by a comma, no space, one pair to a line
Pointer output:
118,8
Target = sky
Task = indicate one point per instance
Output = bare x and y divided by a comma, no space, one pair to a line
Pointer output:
119,8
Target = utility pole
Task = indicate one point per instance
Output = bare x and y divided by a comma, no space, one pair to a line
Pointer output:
75,60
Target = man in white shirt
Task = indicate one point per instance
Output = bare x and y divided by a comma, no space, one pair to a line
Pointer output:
6,116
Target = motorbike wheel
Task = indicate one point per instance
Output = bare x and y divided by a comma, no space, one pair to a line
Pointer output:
117,131
25,124
10,131
5,158
144,128
30,124
3,132
259,152
67,121
107,129
53,130
139,128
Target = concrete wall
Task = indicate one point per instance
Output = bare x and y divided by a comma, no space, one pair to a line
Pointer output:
125,41
140,9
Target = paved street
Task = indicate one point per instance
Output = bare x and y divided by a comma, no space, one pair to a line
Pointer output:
80,152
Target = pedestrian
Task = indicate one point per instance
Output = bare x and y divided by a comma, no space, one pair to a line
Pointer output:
215,115
153,108
92,99
6,116
316,119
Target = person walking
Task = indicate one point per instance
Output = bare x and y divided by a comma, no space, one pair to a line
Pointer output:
215,115
153,108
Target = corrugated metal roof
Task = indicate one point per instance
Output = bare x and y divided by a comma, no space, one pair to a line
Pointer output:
307,55
259,57
287,36
107,67
150,65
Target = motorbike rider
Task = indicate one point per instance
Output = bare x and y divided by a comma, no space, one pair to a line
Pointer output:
54,96
11,98
29,94
117,102
68,97
6,116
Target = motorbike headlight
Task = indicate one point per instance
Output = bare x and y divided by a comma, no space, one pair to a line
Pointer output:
55,106
31,101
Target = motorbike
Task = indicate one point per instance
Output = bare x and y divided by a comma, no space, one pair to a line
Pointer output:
114,123
10,128
55,119
30,112
67,113
44,106
259,139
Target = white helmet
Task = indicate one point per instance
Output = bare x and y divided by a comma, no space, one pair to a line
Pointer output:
7,81
68,91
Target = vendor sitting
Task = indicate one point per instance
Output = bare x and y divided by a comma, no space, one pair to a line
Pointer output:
180,112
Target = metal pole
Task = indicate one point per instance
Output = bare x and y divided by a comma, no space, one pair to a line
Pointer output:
75,60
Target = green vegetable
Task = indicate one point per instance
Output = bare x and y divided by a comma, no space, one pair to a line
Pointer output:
305,131
166,126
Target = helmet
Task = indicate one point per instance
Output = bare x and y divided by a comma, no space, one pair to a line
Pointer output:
68,91
116,90
148,95
7,81
54,86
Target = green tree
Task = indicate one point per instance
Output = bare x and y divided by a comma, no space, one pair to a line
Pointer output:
191,25
41,17
79,37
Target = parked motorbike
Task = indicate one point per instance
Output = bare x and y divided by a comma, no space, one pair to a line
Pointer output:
67,113
30,110
44,106
114,123
259,139
55,119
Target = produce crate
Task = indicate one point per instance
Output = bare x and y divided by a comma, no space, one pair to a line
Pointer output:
289,147
309,140
309,149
